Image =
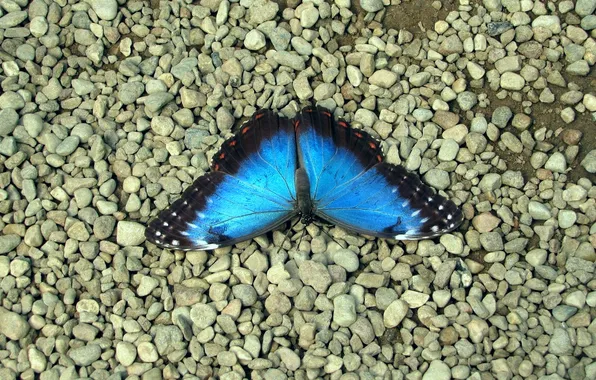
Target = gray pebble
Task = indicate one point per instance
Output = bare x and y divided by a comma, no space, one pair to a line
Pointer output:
344,310
254,40
12,19
8,121
130,233
395,313
130,92
539,210
126,353
556,163
157,101
346,259
491,241
85,355
501,116
371,5
14,326
9,242
437,178
203,315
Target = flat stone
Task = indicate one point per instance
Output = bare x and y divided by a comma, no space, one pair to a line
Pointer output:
255,40
371,5
395,313
316,275
383,78
129,234
8,121
344,310
14,326
85,355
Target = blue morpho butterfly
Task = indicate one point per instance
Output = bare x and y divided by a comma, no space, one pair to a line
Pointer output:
311,166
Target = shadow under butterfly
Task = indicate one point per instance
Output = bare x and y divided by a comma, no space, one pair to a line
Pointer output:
310,166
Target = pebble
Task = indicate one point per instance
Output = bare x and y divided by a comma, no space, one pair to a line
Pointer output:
538,210
512,81
8,121
254,40
485,222
346,259
437,370
589,162
383,78
371,5
130,233
395,313
556,163
126,353
85,355
437,178
12,19
12,325
344,310
9,242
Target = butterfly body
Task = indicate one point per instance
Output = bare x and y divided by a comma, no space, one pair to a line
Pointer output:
275,169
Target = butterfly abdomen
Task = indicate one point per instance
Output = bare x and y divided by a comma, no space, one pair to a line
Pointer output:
304,202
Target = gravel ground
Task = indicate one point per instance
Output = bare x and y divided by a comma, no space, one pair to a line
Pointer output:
109,109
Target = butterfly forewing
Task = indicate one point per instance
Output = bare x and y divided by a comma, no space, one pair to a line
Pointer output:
332,153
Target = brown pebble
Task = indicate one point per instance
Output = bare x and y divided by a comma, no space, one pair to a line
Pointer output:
448,336
446,119
571,136
543,174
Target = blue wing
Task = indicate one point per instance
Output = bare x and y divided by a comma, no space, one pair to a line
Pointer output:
353,188
249,191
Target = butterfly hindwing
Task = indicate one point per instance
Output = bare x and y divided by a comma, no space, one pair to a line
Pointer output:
353,188
249,191
389,202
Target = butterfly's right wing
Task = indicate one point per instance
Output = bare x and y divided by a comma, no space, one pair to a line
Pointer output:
249,191
353,188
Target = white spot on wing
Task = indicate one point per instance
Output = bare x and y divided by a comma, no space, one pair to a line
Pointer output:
415,213
441,207
175,242
166,224
202,244
434,228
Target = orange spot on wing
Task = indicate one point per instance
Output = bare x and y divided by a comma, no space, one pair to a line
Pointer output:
233,143
342,124
379,158
358,134
326,113
244,130
296,124
222,155
259,115
372,145
216,167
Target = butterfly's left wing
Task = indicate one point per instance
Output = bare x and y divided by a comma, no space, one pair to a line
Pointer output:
353,188
249,191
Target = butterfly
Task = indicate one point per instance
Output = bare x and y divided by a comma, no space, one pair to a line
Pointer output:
311,166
